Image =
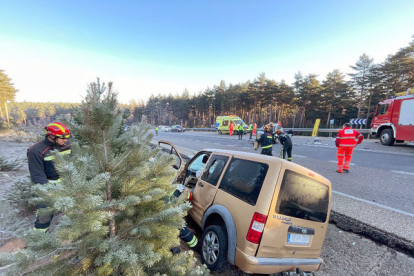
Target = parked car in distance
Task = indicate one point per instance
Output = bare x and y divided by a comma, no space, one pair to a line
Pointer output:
177,128
166,129
263,214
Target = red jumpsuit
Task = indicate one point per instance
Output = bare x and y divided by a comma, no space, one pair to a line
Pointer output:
231,128
345,142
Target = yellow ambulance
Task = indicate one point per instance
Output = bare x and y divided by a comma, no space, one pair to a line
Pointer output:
223,124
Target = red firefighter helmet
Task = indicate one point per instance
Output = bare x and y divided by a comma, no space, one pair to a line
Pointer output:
57,129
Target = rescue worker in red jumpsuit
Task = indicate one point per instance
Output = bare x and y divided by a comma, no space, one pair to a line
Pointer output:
346,140
41,167
231,127
254,129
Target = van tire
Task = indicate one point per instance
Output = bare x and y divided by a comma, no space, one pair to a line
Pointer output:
387,137
220,132
214,240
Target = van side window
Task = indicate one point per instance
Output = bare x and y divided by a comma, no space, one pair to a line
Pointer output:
214,169
225,123
302,197
244,179
198,163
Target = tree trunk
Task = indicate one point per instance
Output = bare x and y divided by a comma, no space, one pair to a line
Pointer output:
329,115
112,231
7,112
369,106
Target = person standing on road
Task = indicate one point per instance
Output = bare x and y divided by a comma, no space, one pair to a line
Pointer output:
265,141
156,130
41,167
231,128
240,130
254,129
251,130
286,141
346,142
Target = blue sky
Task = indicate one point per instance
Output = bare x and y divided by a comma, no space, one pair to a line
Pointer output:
53,49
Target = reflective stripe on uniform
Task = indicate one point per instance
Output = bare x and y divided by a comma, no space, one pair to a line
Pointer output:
193,242
49,158
265,147
54,181
347,137
52,157
65,152
270,137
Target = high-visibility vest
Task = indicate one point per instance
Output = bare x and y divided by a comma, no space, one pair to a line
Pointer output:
347,137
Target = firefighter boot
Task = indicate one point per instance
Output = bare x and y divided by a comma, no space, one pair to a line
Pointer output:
188,236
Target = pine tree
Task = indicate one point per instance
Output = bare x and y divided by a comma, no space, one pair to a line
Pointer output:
117,215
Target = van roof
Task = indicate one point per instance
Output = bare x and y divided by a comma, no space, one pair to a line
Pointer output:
272,160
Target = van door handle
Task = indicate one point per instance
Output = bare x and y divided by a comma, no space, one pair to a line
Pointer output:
200,184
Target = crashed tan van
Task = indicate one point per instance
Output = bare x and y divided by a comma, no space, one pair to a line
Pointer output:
260,213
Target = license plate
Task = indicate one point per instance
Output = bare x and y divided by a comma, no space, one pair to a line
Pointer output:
298,239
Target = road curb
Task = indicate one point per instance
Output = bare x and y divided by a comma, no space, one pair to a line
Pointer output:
379,235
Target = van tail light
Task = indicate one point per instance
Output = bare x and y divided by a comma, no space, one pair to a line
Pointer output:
256,228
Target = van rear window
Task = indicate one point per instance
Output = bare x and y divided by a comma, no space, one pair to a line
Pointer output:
302,197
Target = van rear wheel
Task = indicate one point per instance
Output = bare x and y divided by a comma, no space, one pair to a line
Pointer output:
214,247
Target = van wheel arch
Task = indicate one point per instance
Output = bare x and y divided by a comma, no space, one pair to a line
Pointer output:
214,245
218,214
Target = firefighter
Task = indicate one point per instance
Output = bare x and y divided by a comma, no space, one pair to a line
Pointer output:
286,141
41,167
345,142
251,130
240,129
185,233
265,141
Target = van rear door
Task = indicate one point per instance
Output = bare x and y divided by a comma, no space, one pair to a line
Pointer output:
298,216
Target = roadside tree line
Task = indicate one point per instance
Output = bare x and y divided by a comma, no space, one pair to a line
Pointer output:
298,105
261,100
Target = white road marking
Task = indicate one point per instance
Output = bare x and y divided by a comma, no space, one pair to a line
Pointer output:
402,172
301,156
336,161
374,203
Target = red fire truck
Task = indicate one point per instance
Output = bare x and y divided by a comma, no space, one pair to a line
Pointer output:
394,120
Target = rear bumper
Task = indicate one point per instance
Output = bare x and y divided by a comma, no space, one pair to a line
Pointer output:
275,265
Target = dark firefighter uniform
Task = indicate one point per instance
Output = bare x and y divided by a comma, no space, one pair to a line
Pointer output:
42,170
286,141
185,234
265,142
